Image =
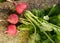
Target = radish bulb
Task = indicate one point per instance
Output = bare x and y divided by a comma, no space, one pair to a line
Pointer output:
11,30
21,7
13,19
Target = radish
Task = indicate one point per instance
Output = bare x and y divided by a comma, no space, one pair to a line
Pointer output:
21,7
13,19
11,30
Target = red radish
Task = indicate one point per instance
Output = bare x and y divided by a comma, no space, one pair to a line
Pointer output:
11,30
21,7
13,18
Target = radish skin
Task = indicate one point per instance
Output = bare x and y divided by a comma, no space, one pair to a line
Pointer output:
11,30
13,19
21,7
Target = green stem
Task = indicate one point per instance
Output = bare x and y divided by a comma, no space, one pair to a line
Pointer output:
28,16
52,10
32,24
48,37
38,24
34,28
40,21
24,21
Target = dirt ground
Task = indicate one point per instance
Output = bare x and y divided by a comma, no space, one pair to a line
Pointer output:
4,38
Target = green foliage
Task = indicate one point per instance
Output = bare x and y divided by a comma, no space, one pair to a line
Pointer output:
25,27
2,0
44,31
34,38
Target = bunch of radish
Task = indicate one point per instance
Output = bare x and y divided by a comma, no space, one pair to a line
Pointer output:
13,18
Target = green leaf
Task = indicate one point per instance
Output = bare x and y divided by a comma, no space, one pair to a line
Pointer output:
2,0
54,20
46,41
58,16
38,13
46,27
34,38
25,27
54,10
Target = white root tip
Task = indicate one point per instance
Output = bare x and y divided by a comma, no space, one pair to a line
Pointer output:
9,0
2,20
